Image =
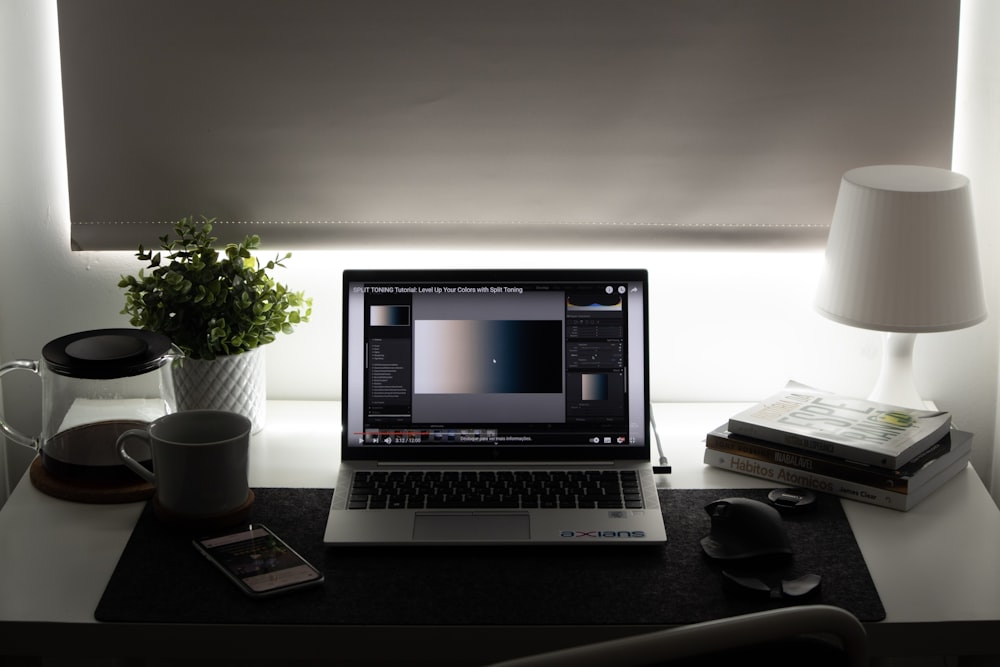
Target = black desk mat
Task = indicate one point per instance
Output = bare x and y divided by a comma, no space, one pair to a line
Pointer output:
160,578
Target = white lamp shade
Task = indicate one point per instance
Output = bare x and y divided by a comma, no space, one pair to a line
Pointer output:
901,254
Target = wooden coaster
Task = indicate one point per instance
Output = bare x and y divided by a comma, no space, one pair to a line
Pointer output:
203,524
88,492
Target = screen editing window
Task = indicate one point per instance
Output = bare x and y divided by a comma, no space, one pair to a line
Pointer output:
495,360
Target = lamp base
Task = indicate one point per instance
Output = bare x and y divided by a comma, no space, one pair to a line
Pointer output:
895,384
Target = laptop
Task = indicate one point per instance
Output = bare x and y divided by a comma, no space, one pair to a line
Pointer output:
487,407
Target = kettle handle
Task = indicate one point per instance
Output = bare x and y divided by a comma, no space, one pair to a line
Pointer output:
10,431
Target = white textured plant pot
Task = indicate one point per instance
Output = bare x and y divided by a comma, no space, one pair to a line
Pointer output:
235,383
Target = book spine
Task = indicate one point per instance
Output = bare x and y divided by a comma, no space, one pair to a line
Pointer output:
813,444
783,476
855,473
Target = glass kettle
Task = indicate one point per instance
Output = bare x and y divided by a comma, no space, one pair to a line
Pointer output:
96,385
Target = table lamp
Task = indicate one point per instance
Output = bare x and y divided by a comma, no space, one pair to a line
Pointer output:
901,257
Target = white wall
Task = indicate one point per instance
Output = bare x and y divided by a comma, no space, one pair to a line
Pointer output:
725,326
30,199
977,147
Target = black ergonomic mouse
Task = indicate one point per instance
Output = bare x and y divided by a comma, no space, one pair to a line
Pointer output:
745,528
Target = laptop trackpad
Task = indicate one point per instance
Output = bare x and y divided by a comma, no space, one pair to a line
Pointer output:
456,527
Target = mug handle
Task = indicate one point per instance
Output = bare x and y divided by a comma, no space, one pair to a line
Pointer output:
130,462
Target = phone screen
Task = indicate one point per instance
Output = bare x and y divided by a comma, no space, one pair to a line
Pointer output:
258,561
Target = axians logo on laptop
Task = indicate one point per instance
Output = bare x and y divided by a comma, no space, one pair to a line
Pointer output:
598,534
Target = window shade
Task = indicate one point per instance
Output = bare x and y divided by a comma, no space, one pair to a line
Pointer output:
337,122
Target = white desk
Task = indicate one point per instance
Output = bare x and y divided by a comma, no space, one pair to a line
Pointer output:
937,567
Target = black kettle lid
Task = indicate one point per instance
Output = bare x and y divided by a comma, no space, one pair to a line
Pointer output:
103,354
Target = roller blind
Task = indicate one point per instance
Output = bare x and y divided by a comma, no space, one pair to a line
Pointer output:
339,122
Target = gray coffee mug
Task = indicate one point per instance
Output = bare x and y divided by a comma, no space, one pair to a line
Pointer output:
200,459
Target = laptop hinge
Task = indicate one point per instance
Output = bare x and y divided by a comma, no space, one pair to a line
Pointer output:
493,464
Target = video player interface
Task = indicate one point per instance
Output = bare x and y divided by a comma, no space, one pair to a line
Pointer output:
495,364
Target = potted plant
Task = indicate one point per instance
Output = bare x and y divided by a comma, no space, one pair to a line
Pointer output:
219,308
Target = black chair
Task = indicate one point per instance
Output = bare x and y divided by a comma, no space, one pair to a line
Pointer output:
814,635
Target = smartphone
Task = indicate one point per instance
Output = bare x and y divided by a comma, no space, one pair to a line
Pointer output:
258,561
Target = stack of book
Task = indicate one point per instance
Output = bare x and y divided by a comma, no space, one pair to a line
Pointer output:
871,452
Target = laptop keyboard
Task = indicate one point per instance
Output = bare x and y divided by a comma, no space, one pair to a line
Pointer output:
492,489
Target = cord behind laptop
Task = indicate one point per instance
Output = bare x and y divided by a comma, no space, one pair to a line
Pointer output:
664,467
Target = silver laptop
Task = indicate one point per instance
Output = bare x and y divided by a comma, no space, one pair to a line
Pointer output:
495,407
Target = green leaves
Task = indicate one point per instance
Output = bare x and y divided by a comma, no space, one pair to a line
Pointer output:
211,303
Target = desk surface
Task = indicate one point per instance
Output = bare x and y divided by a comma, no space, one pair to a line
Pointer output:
937,567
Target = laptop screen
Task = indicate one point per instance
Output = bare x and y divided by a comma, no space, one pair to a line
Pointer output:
495,365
